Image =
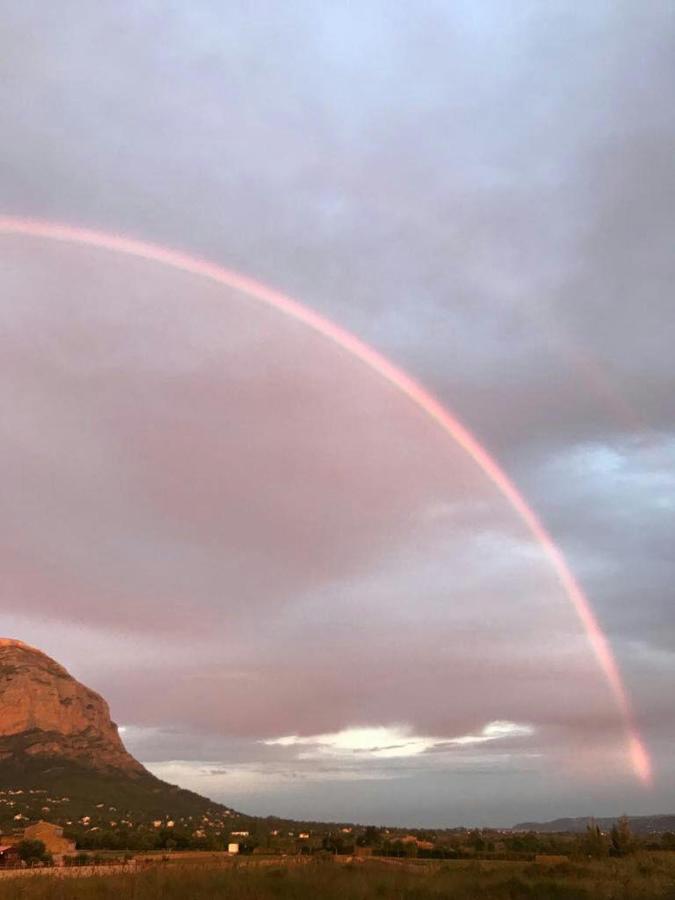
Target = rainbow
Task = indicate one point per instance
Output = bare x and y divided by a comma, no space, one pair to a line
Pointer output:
638,754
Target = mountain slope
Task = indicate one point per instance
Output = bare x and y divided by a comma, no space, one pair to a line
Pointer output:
45,713
61,757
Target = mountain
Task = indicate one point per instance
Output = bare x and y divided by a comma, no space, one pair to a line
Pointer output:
45,713
639,824
62,759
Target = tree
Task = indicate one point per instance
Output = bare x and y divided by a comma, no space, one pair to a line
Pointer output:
525,843
476,840
668,840
336,843
370,837
594,842
33,852
621,837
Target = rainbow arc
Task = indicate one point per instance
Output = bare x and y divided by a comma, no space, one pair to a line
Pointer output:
637,752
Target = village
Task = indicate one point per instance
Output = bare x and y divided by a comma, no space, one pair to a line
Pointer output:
108,837
38,829
45,844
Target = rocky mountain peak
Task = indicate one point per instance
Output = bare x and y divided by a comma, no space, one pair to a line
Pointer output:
46,714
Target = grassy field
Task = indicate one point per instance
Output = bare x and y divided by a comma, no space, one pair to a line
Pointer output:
631,879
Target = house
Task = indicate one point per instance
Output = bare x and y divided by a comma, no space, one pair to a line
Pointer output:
9,856
51,836
421,845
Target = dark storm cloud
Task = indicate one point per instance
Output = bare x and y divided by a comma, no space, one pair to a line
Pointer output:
483,191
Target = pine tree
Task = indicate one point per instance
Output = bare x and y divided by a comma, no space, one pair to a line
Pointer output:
621,837
594,843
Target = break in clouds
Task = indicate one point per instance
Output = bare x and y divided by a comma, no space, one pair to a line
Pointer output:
297,594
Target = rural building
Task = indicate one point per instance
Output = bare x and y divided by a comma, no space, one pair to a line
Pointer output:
9,856
421,845
51,836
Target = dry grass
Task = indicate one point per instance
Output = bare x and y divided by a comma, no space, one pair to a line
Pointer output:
643,878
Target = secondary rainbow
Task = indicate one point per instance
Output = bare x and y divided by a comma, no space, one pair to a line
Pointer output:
637,751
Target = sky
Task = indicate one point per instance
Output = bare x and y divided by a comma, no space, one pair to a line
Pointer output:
298,594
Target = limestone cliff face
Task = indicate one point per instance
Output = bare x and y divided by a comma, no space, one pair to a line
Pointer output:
46,713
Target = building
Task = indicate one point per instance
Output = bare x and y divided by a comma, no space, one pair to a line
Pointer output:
410,839
51,836
9,856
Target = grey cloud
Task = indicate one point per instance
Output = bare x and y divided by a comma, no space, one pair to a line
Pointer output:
485,194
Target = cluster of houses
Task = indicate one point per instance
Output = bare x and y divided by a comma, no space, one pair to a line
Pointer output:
50,835
25,805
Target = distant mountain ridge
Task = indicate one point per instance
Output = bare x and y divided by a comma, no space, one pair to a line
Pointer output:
639,824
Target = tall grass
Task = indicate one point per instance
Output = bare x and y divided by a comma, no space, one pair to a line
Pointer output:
645,878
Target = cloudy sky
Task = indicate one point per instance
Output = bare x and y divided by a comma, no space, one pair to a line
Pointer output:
298,594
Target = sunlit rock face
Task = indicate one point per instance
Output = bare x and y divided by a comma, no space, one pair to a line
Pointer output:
45,713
